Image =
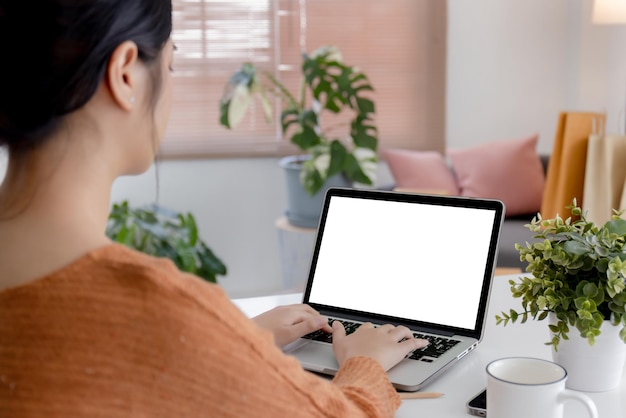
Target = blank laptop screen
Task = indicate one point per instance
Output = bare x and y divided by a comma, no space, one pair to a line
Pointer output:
408,260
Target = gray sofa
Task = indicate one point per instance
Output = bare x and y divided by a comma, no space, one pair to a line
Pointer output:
513,231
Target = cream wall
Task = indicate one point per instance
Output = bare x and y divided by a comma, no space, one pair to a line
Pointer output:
512,66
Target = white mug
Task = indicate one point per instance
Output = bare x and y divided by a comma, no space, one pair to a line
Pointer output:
522,387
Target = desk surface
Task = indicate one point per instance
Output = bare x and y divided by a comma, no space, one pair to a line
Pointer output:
468,377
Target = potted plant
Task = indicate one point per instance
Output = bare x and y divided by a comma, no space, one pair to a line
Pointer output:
162,232
577,280
327,87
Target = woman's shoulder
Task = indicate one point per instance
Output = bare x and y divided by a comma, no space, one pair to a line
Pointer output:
120,284
128,267
117,258
115,271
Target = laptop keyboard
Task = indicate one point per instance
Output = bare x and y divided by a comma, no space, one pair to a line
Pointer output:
436,347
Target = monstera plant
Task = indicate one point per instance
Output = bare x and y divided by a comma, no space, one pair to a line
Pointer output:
328,86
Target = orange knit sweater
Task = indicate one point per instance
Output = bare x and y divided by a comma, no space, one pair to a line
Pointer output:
120,334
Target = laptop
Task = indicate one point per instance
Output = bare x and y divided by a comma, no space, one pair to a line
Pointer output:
423,261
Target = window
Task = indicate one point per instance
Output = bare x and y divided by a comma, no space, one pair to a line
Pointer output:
399,44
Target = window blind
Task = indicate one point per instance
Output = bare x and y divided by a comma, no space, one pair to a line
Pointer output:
399,44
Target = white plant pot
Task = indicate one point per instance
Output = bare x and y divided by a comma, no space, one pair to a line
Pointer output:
595,368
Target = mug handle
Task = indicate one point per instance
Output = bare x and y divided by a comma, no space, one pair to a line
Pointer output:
566,394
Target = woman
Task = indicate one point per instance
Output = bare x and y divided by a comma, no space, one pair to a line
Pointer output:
92,328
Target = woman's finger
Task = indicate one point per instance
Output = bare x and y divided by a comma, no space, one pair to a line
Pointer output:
401,332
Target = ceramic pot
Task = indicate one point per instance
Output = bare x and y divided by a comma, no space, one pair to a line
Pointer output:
303,209
595,368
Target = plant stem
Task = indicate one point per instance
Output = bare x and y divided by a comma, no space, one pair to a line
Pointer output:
286,95
302,92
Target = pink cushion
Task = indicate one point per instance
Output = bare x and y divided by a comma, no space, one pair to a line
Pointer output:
421,171
507,170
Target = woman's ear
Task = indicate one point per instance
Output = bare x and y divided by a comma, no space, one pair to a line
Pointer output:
122,76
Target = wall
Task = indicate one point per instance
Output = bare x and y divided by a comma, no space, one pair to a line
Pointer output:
512,66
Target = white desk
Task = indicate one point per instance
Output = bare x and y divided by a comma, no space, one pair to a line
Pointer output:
467,377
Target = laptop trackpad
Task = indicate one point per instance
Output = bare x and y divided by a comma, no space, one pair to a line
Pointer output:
315,356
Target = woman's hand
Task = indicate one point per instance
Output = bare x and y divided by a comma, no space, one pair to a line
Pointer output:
386,344
290,322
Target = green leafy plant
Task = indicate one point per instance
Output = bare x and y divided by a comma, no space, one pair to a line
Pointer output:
327,85
578,274
163,232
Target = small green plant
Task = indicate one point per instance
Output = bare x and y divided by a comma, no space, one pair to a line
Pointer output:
163,232
578,274
327,85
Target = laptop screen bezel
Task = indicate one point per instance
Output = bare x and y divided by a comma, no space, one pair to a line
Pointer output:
442,200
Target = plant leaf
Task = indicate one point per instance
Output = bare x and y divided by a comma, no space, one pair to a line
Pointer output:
162,232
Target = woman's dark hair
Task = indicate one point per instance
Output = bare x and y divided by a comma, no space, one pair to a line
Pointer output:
55,54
